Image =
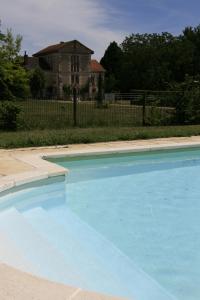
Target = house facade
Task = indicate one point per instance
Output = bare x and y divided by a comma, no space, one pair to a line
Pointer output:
66,66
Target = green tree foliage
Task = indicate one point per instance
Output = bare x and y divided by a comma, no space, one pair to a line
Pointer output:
10,46
67,90
152,61
188,100
37,82
9,112
100,91
148,61
84,91
13,78
112,61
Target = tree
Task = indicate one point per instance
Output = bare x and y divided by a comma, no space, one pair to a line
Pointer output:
188,100
100,91
146,63
14,82
67,90
37,83
152,61
112,61
111,83
10,46
4,90
192,35
84,91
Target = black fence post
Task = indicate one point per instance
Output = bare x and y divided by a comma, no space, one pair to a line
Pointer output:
75,107
144,110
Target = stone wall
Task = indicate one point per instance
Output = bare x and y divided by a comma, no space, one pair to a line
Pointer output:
68,66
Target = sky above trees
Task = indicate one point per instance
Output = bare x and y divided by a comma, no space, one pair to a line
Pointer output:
94,22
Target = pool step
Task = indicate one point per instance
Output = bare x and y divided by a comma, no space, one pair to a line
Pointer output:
112,169
90,261
10,255
87,263
34,249
30,197
43,199
141,287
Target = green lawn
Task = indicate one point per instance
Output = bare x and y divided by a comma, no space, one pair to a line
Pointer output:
49,137
42,114
44,123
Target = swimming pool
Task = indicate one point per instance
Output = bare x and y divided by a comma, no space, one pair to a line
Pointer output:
122,224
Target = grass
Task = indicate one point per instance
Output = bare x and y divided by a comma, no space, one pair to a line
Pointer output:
40,114
50,137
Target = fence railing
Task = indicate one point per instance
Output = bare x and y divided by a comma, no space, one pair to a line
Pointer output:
139,108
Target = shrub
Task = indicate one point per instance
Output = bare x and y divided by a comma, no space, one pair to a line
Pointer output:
37,82
9,112
67,91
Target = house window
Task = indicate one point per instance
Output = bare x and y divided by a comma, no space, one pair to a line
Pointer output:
74,63
72,79
77,79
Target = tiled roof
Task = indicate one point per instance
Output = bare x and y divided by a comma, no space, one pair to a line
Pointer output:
57,47
95,66
49,49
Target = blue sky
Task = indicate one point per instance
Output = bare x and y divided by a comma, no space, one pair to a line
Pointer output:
94,22
156,15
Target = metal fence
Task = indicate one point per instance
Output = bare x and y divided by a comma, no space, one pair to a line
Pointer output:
139,108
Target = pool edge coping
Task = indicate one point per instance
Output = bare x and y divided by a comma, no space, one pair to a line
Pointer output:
43,169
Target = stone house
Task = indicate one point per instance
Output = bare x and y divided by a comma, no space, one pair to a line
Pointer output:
67,65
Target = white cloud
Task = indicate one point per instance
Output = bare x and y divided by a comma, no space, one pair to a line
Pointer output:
49,21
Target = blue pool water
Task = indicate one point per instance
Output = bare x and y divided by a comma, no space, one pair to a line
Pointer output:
126,225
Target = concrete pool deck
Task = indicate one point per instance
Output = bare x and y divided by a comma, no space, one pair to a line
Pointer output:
20,166
17,285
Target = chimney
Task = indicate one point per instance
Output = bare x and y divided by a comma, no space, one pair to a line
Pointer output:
25,59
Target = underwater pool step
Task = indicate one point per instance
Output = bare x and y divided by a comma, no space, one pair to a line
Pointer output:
38,252
87,263
53,198
116,263
118,170
54,193
10,255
